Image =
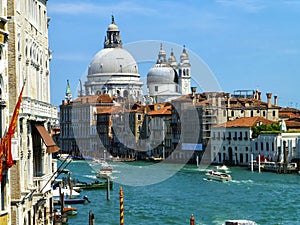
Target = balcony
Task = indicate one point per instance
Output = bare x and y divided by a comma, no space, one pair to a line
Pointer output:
40,182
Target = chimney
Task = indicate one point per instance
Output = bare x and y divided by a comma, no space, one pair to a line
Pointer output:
228,100
275,100
194,90
269,96
259,95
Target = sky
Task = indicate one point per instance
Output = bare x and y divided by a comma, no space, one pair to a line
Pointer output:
245,44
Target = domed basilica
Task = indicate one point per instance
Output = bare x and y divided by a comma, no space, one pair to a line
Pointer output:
114,71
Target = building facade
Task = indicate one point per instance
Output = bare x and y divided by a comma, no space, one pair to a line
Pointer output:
167,79
28,62
5,182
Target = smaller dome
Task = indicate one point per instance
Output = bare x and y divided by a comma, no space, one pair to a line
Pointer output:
172,58
184,55
113,27
163,74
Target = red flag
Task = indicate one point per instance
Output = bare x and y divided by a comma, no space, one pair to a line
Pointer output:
1,161
6,140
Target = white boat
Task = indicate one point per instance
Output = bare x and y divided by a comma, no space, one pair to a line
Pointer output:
218,176
105,172
222,169
239,222
66,191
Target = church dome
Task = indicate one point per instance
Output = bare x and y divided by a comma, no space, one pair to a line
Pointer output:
113,60
162,74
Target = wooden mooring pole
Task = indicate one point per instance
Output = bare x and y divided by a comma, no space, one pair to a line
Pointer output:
91,218
192,220
121,207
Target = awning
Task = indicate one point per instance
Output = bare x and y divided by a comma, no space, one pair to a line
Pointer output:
51,146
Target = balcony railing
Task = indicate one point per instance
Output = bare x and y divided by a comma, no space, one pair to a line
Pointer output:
40,182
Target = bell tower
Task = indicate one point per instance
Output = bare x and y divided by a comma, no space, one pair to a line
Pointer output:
184,71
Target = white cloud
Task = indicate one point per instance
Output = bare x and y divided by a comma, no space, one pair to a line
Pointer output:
81,8
290,51
250,6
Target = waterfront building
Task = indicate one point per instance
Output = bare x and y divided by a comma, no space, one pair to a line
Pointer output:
167,80
282,147
5,182
245,103
231,141
32,146
159,120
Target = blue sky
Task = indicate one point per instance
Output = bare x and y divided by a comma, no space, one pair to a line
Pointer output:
247,44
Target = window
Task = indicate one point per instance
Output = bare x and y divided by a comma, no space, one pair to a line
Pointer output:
3,192
262,146
274,113
156,88
256,146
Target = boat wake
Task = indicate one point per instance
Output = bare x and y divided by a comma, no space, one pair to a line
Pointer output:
243,181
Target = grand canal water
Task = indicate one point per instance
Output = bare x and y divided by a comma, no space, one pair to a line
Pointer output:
266,198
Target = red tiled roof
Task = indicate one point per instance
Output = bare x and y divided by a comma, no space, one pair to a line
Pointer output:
245,122
167,110
94,99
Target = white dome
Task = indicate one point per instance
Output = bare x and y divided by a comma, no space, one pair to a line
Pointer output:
113,27
113,60
162,73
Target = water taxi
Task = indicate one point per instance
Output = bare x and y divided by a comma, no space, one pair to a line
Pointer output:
218,176
105,172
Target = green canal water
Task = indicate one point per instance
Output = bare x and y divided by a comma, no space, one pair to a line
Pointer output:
156,197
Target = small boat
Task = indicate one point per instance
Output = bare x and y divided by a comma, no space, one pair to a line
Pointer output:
222,169
218,176
105,172
72,201
69,210
155,158
66,191
93,185
239,222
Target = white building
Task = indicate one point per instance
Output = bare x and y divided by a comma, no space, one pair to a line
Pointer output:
113,70
167,80
231,141
5,182
28,60
282,147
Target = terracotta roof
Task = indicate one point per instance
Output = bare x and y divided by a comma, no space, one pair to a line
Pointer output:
94,99
108,109
167,110
245,122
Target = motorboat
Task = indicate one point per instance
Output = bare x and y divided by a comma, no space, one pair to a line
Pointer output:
218,176
93,185
66,191
239,222
105,172
72,201
222,169
69,210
